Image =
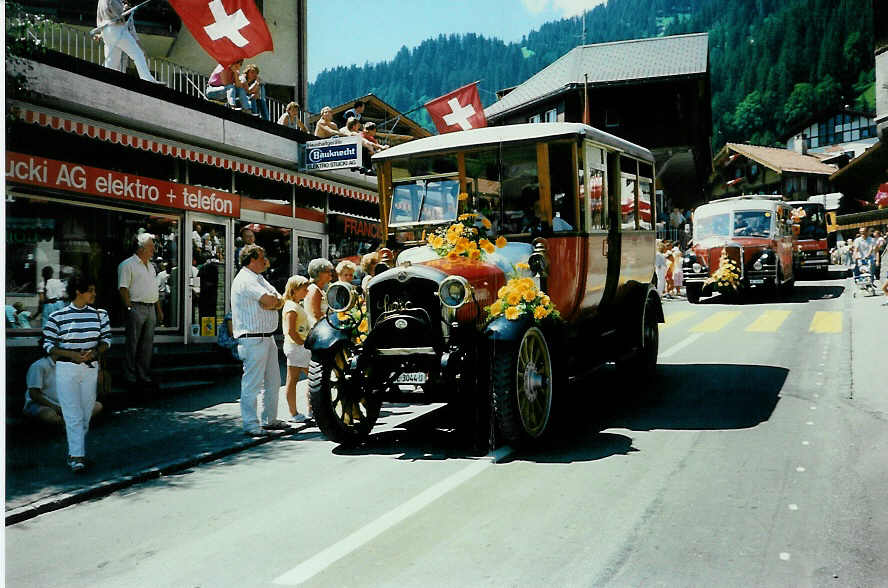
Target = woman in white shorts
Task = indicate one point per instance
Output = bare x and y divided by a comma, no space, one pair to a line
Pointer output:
296,328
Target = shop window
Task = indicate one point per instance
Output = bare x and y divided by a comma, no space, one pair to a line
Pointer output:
48,241
277,242
352,237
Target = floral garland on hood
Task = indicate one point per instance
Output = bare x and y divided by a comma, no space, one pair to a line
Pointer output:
726,279
521,297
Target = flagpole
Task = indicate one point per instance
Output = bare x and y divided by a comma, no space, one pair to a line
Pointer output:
586,99
123,16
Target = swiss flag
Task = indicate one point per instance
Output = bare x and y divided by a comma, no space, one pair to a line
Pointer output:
228,30
459,110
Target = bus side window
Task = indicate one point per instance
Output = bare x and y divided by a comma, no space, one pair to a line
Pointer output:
593,189
561,174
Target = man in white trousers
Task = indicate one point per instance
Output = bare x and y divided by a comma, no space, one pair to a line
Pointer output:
118,37
255,306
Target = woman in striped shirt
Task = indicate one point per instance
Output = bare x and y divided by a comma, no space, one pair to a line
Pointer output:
75,337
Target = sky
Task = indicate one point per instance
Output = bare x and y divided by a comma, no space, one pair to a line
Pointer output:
377,29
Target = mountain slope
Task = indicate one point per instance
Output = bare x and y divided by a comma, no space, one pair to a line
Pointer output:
773,62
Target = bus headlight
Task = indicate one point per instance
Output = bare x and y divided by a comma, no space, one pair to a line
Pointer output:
454,292
341,297
757,266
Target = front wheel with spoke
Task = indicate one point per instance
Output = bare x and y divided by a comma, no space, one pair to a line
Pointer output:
522,388
344,410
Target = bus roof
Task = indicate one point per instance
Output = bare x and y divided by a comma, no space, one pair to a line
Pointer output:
512,134
741,203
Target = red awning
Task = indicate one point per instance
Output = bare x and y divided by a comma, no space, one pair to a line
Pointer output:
155,145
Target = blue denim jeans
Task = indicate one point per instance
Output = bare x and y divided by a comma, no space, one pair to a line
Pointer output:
260,105
231,94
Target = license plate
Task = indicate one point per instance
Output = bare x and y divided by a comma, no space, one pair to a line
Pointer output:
753,282
411,378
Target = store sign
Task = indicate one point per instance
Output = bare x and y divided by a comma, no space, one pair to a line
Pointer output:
335,153
73,177
356,227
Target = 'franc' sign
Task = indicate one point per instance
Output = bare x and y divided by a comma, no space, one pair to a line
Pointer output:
333,153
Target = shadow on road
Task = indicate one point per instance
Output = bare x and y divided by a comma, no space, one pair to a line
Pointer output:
801,293
687,397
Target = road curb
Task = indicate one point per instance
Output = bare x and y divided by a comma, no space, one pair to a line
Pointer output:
101,489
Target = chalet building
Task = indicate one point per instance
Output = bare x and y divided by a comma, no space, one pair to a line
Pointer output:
392,127
837,138
654,92
867,174
751,169
95,156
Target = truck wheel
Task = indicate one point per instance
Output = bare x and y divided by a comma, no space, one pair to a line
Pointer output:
522,388
344,411
694,292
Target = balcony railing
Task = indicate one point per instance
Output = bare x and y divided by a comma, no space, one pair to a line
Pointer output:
81,45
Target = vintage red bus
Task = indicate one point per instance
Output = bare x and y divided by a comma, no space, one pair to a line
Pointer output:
495,230
753,234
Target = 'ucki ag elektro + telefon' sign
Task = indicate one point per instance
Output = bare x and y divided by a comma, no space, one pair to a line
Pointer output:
73,177
334,153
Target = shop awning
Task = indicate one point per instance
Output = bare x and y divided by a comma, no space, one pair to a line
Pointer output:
111,134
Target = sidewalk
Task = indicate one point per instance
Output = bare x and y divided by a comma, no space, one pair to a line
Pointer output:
126,446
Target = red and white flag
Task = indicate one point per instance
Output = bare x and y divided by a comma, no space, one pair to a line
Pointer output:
459,110
228,30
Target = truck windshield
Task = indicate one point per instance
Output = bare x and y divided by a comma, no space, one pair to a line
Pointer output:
752,223
425,201
714,225
812,224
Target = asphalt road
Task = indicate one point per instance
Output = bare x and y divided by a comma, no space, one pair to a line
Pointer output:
760,460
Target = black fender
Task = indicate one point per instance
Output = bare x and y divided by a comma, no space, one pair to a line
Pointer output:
502,330
325,338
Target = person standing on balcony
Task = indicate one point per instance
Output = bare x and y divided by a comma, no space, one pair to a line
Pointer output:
291,118
118,37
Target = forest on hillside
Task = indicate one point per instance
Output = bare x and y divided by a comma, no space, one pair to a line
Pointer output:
773,63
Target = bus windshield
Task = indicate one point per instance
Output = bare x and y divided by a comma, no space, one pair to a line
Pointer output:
715,225
425,201
812,224
752,223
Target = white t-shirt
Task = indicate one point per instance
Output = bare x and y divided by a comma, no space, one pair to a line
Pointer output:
302,327
53,288
864,247
41,375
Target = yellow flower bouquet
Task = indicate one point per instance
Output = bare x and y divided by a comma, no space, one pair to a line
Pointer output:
355,321
468,237
726,278
520,297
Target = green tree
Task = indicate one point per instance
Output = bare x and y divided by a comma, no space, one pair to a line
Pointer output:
749,114
828,94
800,106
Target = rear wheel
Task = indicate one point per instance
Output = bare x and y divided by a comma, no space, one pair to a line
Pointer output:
344,410
522,388
643,364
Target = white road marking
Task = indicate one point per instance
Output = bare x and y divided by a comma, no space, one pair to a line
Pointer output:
784,556
809,423
800,469
320,561
793,507
813,408
679,346
806,442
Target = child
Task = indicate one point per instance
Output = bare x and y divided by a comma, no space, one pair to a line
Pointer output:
660,268
670,283
295,323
